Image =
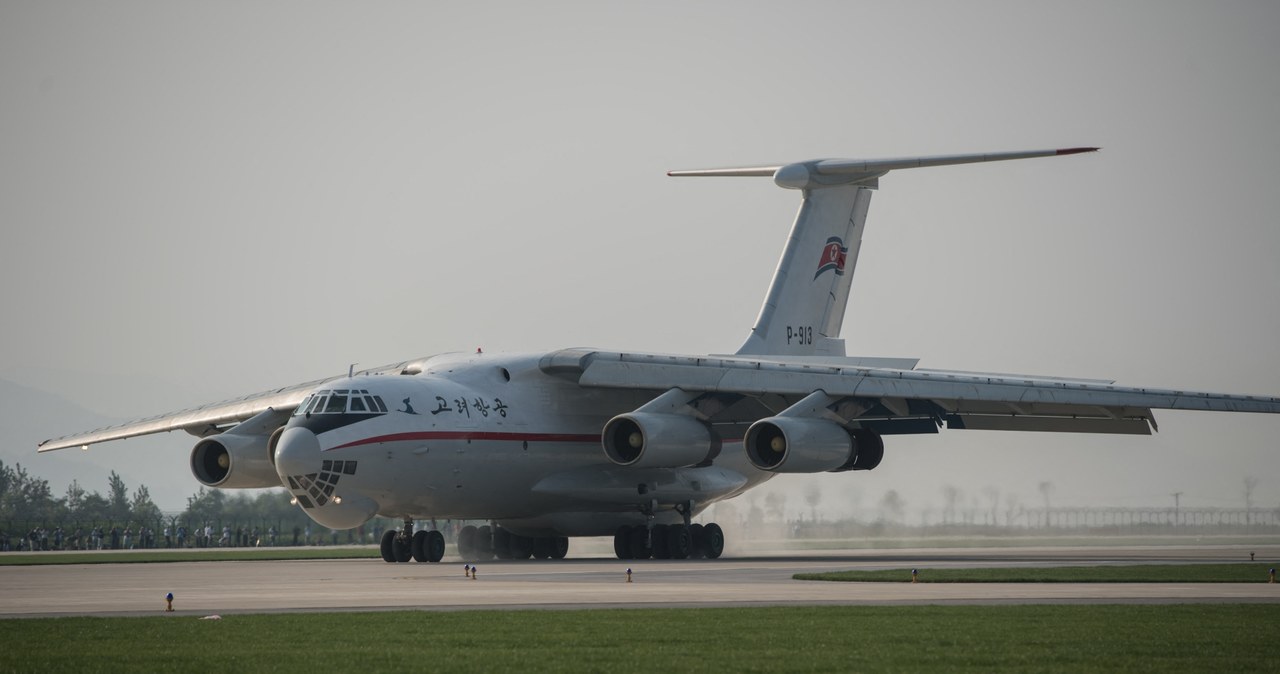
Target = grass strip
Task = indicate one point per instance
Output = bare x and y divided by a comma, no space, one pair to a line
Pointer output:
1140,573
194,555
1120,638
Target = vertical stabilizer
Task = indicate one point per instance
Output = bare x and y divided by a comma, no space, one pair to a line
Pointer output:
804,309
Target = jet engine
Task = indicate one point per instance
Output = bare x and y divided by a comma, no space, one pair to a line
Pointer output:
234,461
806,445
649,440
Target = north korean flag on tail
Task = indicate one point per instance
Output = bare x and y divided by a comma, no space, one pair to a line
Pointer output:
833,255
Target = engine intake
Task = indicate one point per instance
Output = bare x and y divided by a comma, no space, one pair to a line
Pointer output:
647,440
234,461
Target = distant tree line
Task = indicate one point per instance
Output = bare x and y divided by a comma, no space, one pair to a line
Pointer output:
81,519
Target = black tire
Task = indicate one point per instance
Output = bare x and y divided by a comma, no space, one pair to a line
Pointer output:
678,542
622,542
697,541
403,548
388,546
542,546
484,542
467,542
639,543
502,543
659,541
521,547
419,546
559,547
715,540
435,546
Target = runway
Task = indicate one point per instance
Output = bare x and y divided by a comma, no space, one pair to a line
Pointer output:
205,588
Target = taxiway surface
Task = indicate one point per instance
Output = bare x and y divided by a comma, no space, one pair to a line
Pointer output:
203,588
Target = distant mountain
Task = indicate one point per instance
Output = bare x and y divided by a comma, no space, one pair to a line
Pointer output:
29,415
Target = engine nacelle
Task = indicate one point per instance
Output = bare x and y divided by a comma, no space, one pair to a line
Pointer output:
868,451
648,440
234,461
797,445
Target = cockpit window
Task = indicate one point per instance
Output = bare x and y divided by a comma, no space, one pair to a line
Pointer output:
337,401
337,404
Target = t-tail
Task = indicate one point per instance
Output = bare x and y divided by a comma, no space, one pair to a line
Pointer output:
804,310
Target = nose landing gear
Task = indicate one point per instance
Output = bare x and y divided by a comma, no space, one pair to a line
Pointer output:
403,545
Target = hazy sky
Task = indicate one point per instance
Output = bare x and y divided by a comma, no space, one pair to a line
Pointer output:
201,200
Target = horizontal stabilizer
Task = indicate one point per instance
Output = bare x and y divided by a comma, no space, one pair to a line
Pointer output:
867,167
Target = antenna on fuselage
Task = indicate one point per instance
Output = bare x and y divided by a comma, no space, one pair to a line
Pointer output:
351,370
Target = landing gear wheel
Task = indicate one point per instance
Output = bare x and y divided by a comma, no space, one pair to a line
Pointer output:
467,542
484,542
621,542
434,546
403,549
559,547
388,546
639,543
502,544
697,541
521,547
660,534
419,546
678,541
542,547
715,540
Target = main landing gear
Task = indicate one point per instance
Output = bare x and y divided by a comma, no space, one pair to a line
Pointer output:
487,542
403,545
669,541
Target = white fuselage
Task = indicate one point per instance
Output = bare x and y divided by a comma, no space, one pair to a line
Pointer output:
488,437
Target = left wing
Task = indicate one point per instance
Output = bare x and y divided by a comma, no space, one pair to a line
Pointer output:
214,417
889,400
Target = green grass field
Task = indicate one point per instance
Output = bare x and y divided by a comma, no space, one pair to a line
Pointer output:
186,555
1120,638
1141,573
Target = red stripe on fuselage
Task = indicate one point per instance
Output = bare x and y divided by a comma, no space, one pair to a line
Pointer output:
472,435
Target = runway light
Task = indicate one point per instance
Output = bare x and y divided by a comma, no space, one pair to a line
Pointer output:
168,598
293,501
84,448
337,500
628,575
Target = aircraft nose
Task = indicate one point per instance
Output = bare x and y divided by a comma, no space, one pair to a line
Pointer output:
297,453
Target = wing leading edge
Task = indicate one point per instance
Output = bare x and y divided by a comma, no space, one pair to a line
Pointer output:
214,417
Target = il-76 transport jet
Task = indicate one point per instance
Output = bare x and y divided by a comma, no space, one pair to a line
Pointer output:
582,442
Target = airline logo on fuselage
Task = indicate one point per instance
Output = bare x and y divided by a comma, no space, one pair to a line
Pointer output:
833,256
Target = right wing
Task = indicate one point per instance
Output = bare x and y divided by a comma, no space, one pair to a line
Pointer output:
214,417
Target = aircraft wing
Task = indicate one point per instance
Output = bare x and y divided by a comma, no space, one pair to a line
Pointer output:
212,418
895,401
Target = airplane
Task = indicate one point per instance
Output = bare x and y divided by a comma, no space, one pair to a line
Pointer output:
588,442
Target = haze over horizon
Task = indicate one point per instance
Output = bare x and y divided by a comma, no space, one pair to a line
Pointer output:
203,201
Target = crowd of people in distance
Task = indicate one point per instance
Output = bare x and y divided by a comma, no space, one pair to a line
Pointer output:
41,538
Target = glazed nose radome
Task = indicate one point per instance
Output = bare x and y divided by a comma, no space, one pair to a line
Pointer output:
297,453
